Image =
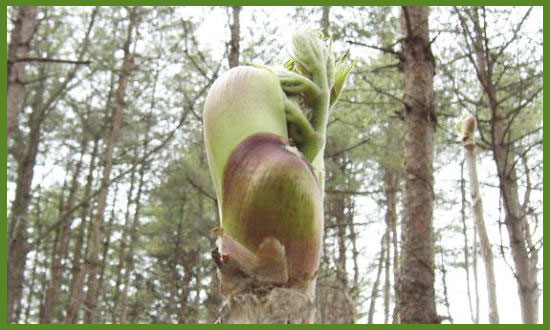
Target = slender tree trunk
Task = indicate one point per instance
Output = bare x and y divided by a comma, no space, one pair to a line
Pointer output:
476,277
122,251
60,248
387,284
396,269
19,47
355,290
486,251
516,224
78,269
443,271
325,21
93,257
234,43
339,205
417,302
37,247
128,259
390,192
133,242
466,244
106,246
374,292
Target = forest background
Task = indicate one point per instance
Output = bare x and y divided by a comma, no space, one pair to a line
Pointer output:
117,225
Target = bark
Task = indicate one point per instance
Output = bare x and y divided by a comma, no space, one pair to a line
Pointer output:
234,43
417,301
516,223
486,251
120,104
17,235
19,47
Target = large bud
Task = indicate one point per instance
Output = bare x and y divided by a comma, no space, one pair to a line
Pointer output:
243,101
270,191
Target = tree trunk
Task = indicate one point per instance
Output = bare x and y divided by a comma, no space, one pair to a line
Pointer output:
325,21
17,235
95,243
476,277
129,259
339,206
37,246
417,302
234,43
486,251
122,251
466,244
516,224
60,248
20,45
387,284
78,268
390,192
374,292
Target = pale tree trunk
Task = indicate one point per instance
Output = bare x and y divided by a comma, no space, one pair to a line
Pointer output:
417,301
20,45
234,43
518,232
466,244
476,277
120,104
477,208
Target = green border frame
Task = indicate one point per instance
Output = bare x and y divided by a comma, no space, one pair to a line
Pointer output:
3,134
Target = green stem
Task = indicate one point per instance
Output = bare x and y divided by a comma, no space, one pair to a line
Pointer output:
295,83
310,140
321,105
